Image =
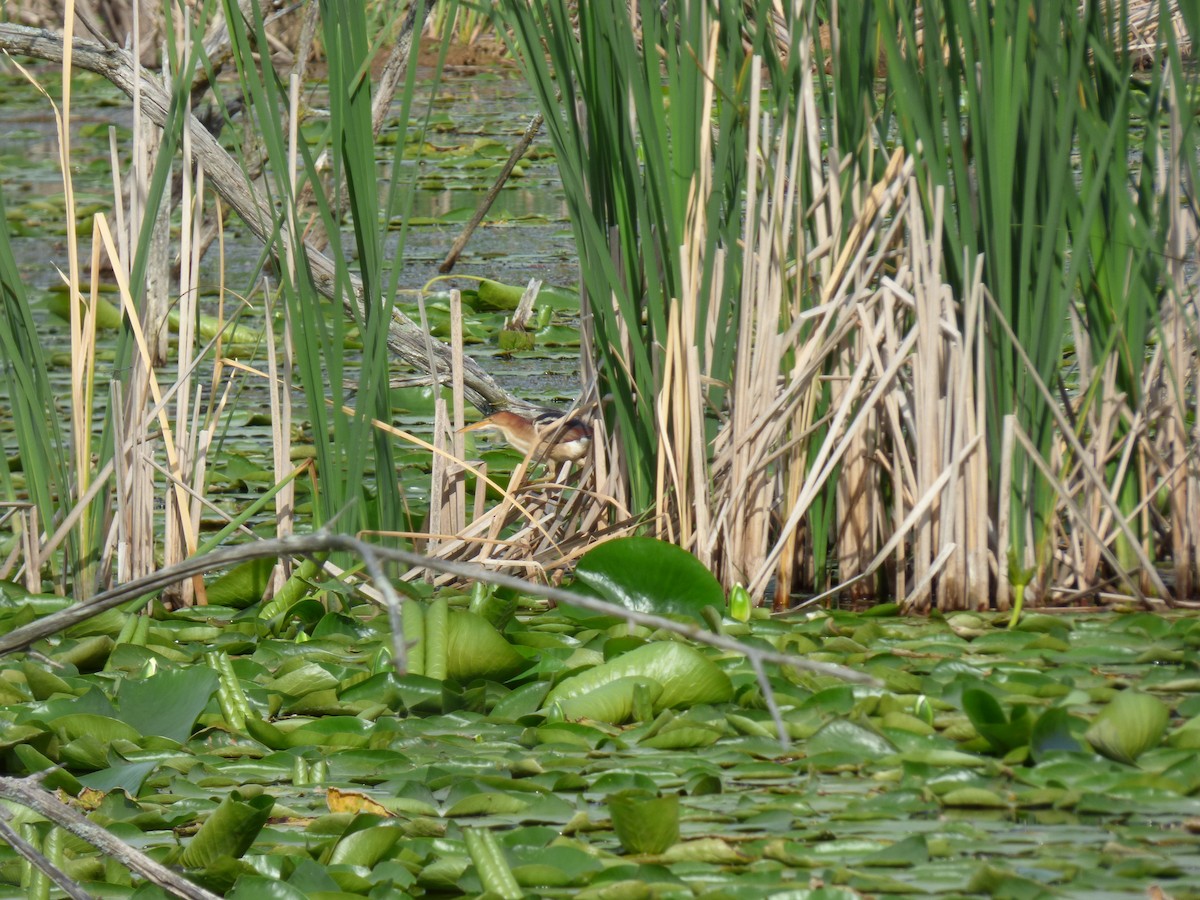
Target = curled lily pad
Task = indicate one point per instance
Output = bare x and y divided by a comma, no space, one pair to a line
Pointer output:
229,831
687,676
1052,732
1129,726
612,703
1002,731
477,650
644,823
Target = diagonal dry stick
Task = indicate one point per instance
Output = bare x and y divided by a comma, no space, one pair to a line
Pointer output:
28,793
322,542
34,857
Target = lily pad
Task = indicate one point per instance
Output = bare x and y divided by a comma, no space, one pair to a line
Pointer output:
1129,726
644,823
475,649
229,831
1002,731
687,676
646,575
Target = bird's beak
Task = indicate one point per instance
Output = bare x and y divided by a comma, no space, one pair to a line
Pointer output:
476,426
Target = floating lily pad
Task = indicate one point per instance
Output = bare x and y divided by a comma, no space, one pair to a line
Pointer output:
686,675
1129,726
647,575
644,823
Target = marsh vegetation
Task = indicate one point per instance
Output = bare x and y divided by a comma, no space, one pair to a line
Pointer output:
881,309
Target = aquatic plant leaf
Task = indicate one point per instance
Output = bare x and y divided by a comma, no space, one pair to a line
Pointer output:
229,831
612,702
973,798
1129,726
1187,736
365,843
910,851
492,803
168,703
687,676
1002,732
647,575
127,777
242,585
686,737
88,725
1052,732
262,888
495,604
644,823
850,738
475,649
330,731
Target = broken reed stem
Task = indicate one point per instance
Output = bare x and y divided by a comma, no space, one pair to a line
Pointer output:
457,502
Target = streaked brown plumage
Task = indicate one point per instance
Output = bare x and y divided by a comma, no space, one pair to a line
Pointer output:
544,432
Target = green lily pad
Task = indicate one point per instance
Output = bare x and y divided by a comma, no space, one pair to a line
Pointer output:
1129,726
644,823
475,649
646,575
612,702
687,676
1003,732
229,831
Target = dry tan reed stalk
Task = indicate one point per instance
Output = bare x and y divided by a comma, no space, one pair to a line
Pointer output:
134,524
178,521
82,316
458,489
33,557
449,458
1048,472
1004,587
280,372
229,180
831,451
682,397
837,313
798,417
480,493
14,512
1176,446
857,496
744,507
201,432
125,451
975,469
437,471
279,389
919,509
927,394
151,381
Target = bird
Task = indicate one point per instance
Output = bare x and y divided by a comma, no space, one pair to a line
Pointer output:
540,433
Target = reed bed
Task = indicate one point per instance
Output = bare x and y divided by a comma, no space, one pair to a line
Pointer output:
862,321
851,346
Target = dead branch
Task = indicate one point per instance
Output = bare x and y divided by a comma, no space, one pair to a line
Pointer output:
323,542
29,794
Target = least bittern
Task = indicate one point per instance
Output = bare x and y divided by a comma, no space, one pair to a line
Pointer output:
540,433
